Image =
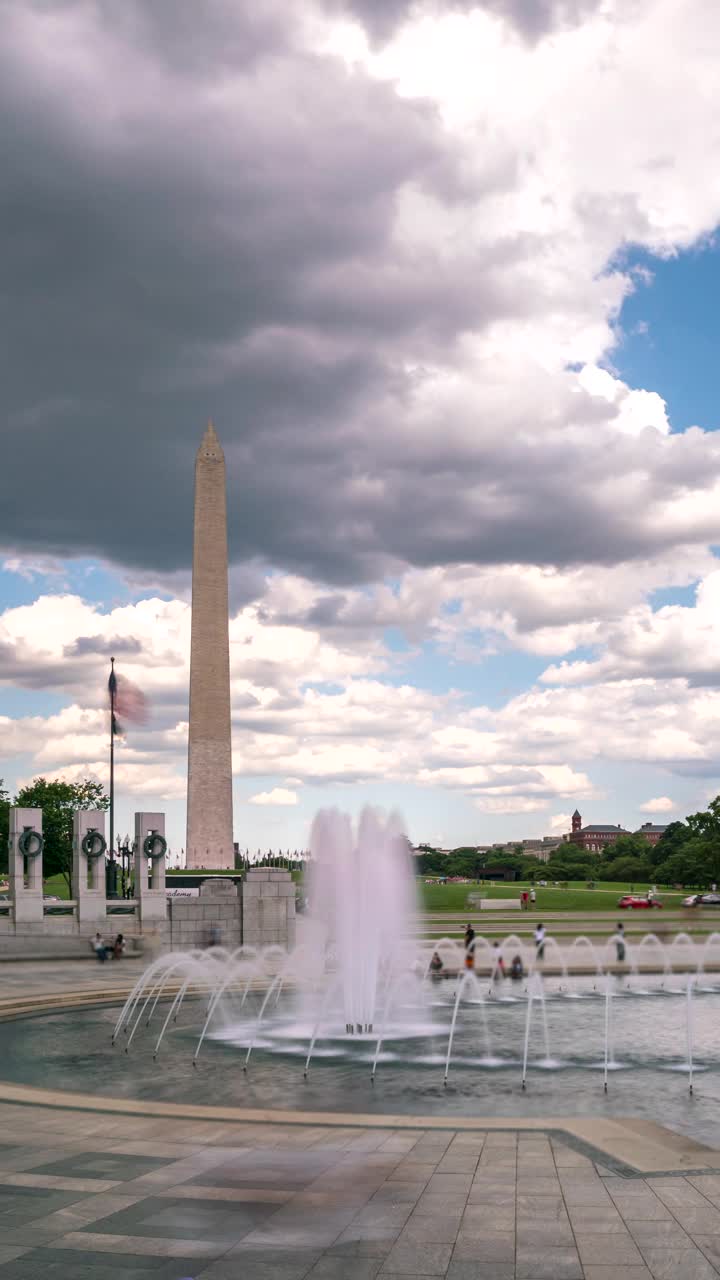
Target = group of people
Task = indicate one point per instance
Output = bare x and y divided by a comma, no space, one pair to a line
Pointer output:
108,951
516,966
516,971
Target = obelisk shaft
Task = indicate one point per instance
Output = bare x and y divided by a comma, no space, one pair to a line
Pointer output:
209,796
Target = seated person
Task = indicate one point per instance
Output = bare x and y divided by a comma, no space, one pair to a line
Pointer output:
101,951
118,947
436,964
516,968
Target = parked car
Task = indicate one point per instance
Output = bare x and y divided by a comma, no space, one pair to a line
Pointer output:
702,900
637,904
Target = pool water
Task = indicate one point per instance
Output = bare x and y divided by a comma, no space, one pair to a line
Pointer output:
648,1077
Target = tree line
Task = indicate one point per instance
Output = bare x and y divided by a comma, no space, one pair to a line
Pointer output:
687,854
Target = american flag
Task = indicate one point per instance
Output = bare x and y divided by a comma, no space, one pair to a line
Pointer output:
127,703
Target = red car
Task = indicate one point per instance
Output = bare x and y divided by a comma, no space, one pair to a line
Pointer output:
637,904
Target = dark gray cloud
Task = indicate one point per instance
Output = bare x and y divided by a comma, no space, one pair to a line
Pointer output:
187,245
19,667
532,18
199,218
102,647
206,39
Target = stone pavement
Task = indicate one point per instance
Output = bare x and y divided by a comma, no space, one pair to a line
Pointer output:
95,1196
58,977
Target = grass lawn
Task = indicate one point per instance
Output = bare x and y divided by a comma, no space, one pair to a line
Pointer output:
55,887
453,897
577,897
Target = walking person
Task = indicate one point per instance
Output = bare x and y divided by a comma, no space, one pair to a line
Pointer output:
620,942
469,947
540,941
533,896
498,962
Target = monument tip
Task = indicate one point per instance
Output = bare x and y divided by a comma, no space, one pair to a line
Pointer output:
210,446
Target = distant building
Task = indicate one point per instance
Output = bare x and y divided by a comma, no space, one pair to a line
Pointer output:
542,849
596,837
534,849
651,831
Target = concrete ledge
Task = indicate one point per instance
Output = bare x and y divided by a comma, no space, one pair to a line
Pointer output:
640,1146
52,958
69,947
495,904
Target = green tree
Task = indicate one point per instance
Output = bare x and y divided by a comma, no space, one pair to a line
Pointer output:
461,864
629,846
627,868
571,870
430,863
4,826
672,840
688,866
571,862
705,829
58,799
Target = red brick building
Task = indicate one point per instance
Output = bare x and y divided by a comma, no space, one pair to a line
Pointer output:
595,838
651,831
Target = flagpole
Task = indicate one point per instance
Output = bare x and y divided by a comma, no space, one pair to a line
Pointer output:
112,686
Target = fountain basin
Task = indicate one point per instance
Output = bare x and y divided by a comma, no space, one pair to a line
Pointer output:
72,1049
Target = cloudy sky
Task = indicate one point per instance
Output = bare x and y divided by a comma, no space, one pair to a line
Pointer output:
444,276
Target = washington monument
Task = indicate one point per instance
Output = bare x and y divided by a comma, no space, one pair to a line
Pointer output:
209,793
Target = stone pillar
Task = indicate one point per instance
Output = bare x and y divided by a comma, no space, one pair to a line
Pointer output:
149,872
25,873
88,871
268,908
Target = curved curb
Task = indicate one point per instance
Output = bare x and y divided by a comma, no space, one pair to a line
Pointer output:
632,1147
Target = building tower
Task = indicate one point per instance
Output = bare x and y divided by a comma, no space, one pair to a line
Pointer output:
209,840
576,821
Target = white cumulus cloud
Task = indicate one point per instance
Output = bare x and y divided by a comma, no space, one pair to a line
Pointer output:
661,804
278,795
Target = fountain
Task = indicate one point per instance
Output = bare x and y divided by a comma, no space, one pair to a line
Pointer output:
712,943
584,944
536,994
362,897
359,988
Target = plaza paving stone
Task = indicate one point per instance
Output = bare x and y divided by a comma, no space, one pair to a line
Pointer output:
97,1196
99,1189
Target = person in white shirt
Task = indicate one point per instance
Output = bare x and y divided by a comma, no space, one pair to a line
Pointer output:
540,941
